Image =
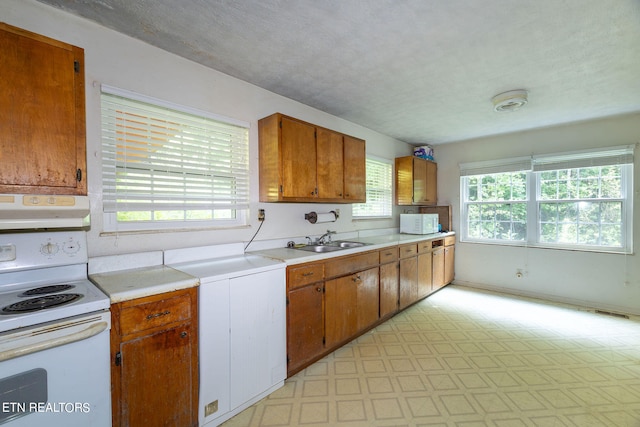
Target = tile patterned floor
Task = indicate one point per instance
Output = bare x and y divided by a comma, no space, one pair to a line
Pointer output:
470,358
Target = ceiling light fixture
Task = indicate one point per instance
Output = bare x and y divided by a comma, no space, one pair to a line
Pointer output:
510,101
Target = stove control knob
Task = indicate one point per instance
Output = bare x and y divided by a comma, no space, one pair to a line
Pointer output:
71,247
49,248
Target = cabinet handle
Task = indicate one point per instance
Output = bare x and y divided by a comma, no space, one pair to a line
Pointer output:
183,334
356,279
153,316
310,273
319,289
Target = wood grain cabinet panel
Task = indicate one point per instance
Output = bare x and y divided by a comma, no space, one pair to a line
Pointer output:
330,164
355,181
416,181
438,268
302,162
368,297
408,286
305,325
449,270
389,279
341,319
42,131
154,370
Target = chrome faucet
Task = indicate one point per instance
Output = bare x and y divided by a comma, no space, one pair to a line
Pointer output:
325,238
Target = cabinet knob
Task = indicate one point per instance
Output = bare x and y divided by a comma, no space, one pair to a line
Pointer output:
183,334
319,289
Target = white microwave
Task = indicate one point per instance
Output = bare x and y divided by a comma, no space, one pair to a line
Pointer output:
418,223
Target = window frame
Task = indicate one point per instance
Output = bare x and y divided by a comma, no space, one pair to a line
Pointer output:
534,167
237,209
388,206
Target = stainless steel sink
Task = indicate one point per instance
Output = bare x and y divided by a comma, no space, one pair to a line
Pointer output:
338,245
347,244
320,248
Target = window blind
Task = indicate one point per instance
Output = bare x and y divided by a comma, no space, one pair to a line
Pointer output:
157,157
584,159
379,191
515,164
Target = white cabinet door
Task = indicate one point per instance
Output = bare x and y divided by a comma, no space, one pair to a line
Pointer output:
258,333
213,313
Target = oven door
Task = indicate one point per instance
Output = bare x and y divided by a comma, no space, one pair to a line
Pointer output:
57,374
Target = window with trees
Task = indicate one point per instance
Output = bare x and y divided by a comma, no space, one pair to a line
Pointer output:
581,200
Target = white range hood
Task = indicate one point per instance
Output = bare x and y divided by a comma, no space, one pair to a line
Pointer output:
34,211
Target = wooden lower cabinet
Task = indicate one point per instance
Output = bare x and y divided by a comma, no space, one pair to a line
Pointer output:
408,282
408,275
341,320
305,324
351,305
368,297
449,257
438,268
389,280
331,302
154,345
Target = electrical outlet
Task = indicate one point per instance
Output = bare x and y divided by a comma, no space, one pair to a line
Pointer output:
260,214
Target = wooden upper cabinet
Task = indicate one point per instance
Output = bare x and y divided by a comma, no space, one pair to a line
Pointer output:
330,164
298,159
355,181
302,162
416,181
42,131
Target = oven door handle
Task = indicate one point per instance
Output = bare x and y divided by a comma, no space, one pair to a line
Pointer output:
89,332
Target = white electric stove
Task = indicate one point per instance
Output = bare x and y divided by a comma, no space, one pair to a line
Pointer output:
54,333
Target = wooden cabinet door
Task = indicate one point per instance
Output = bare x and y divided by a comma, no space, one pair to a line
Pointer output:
330,164
408,281
431,186
438,268
42,130
305,325
424,274
368,297
419,181
388,288
298,146
156,380
355,176
449,271
341,315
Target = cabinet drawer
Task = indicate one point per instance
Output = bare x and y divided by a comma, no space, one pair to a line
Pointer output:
305,274
351,264
388,255
408,250
155,313
450,240
424,246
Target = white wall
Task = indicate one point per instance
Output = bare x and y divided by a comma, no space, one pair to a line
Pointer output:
607,281
120,61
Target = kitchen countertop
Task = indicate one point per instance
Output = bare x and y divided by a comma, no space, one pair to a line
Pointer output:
124,285
228,267
297,256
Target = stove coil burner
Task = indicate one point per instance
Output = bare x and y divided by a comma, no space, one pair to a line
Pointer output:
40,303
46,290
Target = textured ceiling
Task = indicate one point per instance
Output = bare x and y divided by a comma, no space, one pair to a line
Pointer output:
421,71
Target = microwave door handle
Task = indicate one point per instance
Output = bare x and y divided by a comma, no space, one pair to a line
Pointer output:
89,332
